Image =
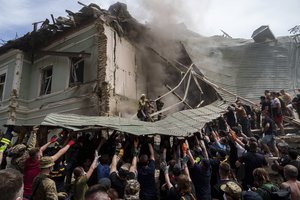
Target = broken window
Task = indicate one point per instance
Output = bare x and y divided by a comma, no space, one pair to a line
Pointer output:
76,72
2,82
46,80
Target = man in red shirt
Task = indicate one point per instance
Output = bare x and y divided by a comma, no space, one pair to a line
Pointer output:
32,164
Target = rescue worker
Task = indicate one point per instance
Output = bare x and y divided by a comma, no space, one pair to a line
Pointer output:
5,141
143,108
159,106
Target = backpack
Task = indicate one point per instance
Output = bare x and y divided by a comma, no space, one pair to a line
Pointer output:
281,194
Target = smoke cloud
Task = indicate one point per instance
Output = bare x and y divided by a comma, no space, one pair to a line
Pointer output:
162,14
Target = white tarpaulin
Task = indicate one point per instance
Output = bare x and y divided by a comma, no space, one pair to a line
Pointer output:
182,123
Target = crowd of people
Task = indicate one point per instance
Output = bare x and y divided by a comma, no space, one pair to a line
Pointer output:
225,160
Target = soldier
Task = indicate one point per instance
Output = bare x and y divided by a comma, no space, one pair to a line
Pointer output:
132,190
43,187
20,152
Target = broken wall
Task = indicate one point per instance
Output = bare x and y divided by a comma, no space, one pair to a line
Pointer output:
123,75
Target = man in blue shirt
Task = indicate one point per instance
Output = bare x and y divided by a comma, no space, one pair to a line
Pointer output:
146,175
103,167
201,174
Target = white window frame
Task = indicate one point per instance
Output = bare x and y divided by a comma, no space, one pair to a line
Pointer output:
41,79
70,72
3,72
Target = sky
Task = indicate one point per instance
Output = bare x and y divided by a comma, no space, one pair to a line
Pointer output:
238,18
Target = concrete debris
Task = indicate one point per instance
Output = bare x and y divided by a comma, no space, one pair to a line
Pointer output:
263,34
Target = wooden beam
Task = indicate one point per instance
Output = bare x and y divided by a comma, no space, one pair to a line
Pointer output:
81,54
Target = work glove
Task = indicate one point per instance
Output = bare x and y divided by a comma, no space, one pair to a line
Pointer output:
3,147
164,167
198,160
71,143
53,139
184,148
119,150
136,152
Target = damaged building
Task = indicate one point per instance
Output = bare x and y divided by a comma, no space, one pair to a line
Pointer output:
81,64
98,62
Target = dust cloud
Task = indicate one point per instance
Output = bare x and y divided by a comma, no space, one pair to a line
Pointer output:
167,13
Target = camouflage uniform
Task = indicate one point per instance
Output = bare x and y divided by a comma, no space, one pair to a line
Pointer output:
132,190
44,188
20,153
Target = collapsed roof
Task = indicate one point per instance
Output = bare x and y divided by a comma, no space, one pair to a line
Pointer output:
116,16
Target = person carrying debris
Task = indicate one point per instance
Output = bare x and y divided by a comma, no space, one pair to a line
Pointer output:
33,163
269,129
287,99
242,118
20,152
120,177
277,112
81,178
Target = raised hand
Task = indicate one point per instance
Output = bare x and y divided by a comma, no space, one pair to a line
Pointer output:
164,167
35,128
53,139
